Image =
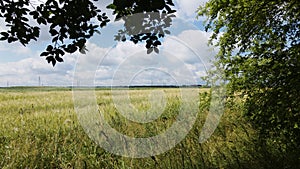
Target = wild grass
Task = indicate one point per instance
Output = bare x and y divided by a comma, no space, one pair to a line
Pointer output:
39,129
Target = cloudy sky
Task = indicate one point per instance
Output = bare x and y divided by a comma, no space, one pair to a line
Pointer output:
183,58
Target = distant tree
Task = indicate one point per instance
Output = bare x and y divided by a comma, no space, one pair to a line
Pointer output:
72,22
259,44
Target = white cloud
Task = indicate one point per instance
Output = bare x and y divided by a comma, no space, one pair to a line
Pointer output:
191,48
26,72
182,59
15,48
186,9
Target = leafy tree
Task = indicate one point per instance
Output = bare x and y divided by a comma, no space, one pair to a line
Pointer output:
259,44
72,22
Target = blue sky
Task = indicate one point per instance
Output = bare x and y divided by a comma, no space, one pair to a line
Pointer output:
183,58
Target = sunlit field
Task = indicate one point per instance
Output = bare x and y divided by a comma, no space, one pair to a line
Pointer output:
39,129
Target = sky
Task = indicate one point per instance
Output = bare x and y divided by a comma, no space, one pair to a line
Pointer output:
183,59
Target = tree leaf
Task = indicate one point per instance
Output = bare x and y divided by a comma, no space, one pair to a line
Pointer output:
156,50
44,54
150,50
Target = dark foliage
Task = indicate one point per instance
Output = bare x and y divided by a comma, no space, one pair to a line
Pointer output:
72,22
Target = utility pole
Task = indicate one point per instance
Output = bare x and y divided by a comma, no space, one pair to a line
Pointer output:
39,81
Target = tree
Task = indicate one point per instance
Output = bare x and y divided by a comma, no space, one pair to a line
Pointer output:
259,44
72,22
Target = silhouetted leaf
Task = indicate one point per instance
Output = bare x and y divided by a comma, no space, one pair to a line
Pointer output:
167,32
150,50
53,32
49,48
44,54
55,39
102,24
148,45
61,52
51,59
156,50
111,6
11,39
59,59
156,43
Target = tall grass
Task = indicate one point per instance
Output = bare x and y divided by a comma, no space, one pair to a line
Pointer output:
40,129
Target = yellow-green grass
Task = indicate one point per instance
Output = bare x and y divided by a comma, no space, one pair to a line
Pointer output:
39,129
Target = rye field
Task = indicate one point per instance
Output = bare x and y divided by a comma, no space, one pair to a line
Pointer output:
39,128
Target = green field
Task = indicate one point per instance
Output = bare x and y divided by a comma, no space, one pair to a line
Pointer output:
39,129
